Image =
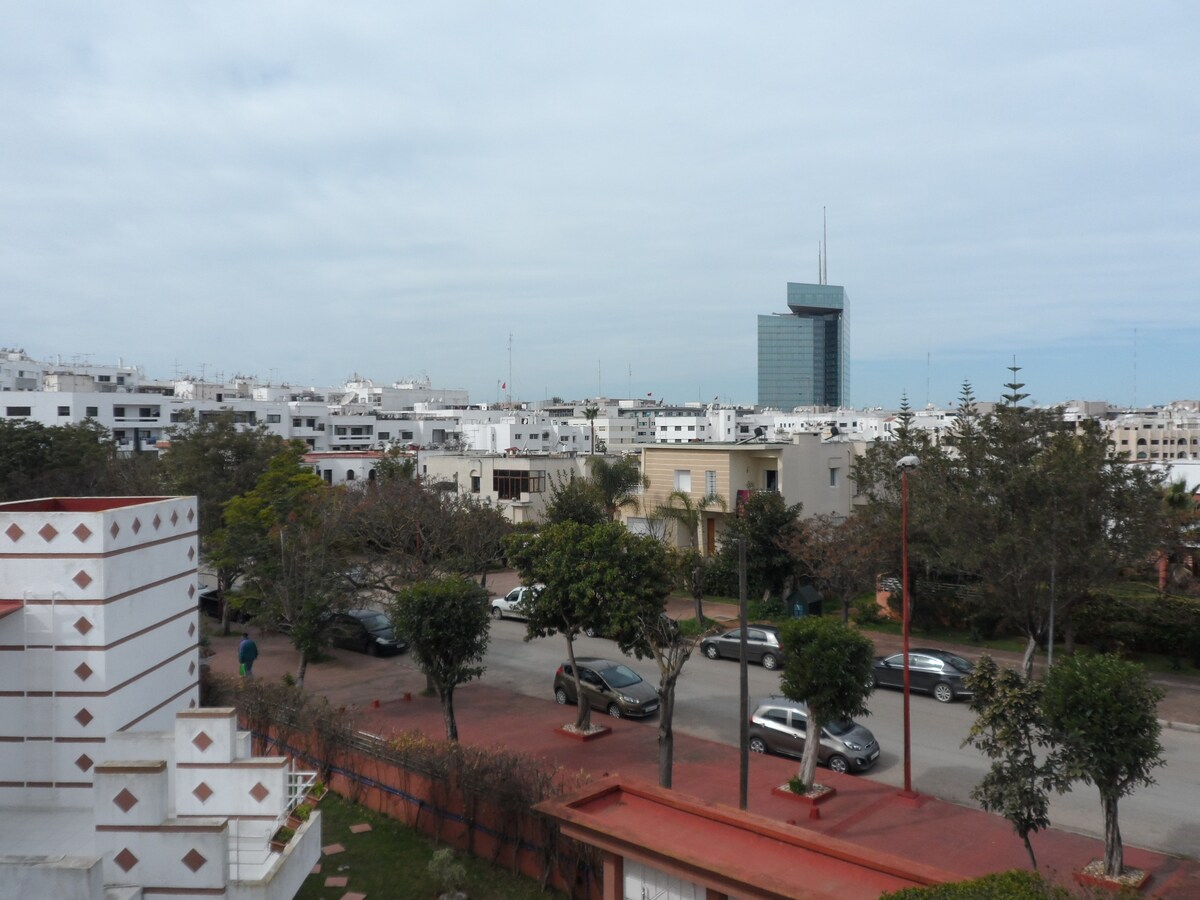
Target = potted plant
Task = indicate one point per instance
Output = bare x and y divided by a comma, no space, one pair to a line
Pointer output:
315,793
298,816
281,837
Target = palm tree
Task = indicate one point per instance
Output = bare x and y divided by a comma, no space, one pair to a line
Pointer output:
618,482
590,414
688,515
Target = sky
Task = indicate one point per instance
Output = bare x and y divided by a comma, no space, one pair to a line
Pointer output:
598,199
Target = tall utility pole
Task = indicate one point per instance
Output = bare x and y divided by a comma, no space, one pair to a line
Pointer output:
744,689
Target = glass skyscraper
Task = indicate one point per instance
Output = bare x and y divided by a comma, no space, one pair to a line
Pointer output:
804,355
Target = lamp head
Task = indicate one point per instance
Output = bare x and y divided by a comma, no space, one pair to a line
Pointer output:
907,462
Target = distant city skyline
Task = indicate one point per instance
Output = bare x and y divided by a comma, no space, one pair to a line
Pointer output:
306,191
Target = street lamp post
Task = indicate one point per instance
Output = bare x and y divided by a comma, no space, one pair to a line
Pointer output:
904,465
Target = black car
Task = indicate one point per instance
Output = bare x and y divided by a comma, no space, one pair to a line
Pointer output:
366,631
762,645
211,604
936,672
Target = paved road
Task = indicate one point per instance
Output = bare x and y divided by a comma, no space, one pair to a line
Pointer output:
1160,817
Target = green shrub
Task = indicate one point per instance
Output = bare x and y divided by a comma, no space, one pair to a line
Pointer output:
1015,885
865,611
447,871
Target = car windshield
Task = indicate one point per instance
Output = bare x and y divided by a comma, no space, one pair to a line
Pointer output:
376,622
620,676
837,729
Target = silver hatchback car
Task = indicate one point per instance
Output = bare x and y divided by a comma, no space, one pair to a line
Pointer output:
779,725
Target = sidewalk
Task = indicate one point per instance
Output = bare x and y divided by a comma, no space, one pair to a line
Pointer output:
962,840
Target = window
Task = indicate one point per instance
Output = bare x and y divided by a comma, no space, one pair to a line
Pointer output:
93,411
104,378
385,435
406,435
119,412
18,411
146,413
710,482
683,480
272,418
64,410
833,476
295,423
310,423
474,484
340,430
771,480
349,474
510,484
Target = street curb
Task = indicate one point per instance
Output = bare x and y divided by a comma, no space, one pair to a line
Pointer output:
1180,726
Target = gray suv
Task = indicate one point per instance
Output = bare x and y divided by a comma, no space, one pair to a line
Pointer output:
778,725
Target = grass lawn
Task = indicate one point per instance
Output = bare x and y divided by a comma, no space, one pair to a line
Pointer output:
392,861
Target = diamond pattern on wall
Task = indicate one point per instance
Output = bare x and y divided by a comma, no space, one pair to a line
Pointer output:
259,792
48,532
82,578
125,860
202,792
191,514
137,525
84,762
82,532
83,717
115,530
83,626
83,671
191,591
191,629
193,860
14,532
192,667
125,800
174,517
191,553
156,521
192,703
202,741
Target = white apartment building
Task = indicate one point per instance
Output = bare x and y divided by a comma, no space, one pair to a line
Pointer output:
111,778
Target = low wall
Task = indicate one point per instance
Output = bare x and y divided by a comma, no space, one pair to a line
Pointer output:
438,805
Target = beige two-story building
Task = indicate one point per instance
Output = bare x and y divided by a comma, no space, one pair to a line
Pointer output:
806,470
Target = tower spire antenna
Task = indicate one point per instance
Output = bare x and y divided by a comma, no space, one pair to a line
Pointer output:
825,247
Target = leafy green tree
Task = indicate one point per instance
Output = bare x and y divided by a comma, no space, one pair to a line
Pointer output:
37,460
216,459
827,665
477,530
396,464
284,533
688,514
768,525
446,624
1010,730
593,576
574,499
1101,712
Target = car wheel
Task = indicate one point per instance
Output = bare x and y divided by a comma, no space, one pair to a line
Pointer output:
590,632
757,745
942,692
496,613
872,682
560,696
711,651
614,710
839,764
769,662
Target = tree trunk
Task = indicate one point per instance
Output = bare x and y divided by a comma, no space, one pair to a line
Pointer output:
302,669
224,585
808,762
1069,635
448,714
583,714
1029,850
666,734
1027,660
1114,852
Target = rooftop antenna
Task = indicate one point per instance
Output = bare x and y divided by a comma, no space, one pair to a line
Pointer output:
1135,342
825,248
508,384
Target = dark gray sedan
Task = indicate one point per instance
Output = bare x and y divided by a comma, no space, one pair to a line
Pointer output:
762,645
930,671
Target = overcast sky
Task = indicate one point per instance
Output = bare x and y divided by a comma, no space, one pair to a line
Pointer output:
308,190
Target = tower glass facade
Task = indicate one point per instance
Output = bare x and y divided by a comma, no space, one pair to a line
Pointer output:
803,355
